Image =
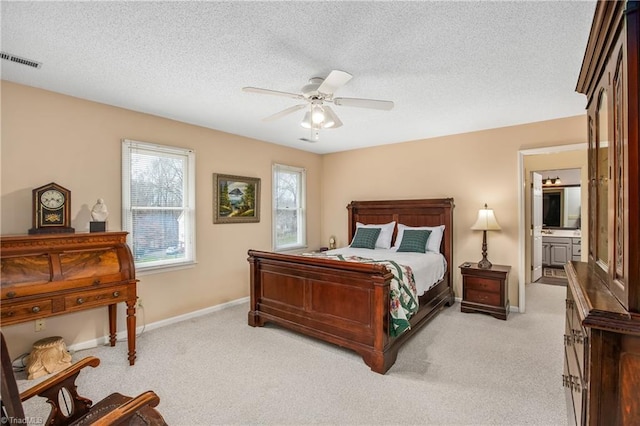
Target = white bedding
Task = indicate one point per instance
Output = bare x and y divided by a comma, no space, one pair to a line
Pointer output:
428,268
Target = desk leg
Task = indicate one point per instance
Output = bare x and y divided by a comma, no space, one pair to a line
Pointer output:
131,330
112,323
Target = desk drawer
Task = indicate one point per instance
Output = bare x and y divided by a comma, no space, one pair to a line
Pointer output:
19,312
91,298
11,291
482,284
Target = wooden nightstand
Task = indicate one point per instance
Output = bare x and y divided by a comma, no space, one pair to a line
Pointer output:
485,290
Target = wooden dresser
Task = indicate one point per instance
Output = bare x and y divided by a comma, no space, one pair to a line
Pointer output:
602,334
54,274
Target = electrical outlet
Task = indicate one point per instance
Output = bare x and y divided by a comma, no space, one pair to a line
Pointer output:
40,324
140,303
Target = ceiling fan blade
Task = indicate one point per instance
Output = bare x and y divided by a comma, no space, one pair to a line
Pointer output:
335,80
331,117
364,103
272,92
284,112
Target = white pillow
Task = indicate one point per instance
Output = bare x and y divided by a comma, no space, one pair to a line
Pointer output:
386,233
433,243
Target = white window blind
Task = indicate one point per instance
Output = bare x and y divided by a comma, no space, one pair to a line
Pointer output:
158,203
289,216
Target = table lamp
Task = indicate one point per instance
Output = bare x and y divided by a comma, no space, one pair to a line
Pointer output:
486,222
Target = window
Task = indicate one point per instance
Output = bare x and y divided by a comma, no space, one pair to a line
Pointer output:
289,216
158,204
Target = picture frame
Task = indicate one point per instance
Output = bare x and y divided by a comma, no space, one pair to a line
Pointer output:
236,199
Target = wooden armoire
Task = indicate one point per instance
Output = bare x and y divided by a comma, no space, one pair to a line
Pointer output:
602,336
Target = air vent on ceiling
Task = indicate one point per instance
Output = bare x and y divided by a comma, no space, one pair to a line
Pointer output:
19,60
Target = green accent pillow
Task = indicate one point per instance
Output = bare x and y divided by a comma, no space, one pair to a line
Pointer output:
365,238
414,240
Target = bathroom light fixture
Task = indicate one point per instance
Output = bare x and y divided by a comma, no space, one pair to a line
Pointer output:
554,181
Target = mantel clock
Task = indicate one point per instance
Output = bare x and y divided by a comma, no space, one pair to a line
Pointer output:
51,210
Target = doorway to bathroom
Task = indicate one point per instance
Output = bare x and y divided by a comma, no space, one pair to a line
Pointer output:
550,164
556,213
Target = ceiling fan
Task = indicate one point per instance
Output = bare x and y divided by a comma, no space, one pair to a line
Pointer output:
317,93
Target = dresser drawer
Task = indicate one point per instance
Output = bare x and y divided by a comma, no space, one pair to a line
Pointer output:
482,284
101,297
486,298
18,312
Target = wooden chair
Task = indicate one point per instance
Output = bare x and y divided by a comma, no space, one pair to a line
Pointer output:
114,409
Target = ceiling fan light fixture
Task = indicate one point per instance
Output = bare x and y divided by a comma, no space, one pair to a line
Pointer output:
330,118
317,94
317,114
306,121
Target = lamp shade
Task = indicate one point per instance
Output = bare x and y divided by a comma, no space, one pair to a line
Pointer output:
486,221
317,114
330,119
306,121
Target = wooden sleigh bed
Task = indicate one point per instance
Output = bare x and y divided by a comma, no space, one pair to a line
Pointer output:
347,303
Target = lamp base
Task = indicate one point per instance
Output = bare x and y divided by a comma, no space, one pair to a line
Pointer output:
484,264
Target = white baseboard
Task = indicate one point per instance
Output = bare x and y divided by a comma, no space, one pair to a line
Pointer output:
511,308
122,334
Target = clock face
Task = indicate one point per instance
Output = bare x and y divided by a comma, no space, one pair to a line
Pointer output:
52,199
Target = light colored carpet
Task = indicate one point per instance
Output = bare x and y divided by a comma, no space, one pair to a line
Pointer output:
461,369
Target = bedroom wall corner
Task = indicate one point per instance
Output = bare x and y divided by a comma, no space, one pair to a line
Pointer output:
473,168
48,137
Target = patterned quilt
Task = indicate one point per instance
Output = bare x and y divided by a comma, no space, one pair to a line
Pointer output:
403,296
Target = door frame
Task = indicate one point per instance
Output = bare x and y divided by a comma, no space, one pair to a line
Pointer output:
536,226
521,208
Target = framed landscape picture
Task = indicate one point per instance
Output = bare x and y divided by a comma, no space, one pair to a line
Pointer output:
236,199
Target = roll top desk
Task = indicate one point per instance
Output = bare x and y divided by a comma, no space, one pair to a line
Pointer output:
54,274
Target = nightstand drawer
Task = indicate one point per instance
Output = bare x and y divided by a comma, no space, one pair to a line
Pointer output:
482,284
475,296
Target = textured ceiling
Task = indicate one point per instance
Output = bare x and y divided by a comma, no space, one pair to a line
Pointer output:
450,67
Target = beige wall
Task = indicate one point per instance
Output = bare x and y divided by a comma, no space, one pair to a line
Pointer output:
76,143
560,160
473,168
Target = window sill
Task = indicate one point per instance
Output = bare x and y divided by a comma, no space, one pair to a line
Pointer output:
293,250
149,270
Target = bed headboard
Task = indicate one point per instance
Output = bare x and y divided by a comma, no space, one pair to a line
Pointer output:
427,212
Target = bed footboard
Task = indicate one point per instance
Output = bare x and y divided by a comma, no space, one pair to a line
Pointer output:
344,303
347,303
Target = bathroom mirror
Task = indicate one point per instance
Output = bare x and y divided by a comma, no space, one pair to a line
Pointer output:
561,207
